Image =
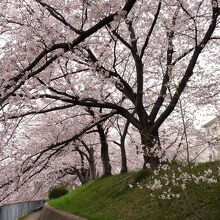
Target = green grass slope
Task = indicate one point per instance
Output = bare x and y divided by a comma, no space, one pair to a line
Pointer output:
112,198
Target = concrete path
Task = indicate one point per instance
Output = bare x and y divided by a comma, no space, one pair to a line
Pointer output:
50,213
33,216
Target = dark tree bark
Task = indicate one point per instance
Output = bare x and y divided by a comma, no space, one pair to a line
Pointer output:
104,151
92,165
85,174
124,166
91,160
148,142
104,146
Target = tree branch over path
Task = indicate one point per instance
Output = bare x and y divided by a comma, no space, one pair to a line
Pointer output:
42,111
90,102
125,89
189,70
166,77
28,71
63,144
58,16
151,29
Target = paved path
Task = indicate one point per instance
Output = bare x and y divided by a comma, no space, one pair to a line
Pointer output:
33,216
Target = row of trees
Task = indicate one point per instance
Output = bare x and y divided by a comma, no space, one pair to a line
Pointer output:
86,81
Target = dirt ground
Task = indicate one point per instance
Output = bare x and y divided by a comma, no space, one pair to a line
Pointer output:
33,216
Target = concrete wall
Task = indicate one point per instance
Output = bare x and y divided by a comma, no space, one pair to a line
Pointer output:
13,211
50,213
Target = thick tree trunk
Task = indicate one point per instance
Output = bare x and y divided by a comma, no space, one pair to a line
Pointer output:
83,178
104,148
92,165
149,141
104,152
124,167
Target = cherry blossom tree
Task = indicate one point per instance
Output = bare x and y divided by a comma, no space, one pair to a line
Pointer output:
134,59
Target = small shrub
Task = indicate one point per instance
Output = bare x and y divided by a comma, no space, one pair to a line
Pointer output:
57,191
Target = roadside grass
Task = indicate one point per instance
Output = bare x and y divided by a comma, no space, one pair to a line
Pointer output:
121,197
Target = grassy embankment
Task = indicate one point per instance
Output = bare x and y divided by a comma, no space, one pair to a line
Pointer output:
112,198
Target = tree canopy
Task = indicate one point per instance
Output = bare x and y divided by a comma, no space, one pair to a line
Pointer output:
74,73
